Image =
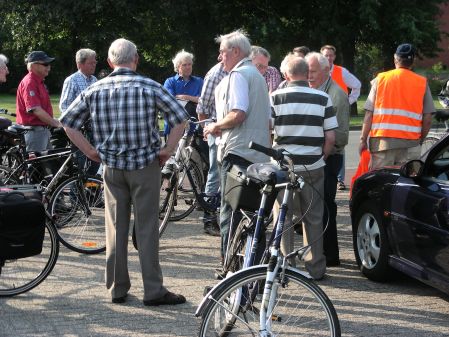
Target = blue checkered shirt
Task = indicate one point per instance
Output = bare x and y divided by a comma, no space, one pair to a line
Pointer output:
124,110
73,86
206,102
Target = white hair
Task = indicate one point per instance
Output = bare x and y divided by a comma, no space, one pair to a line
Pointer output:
122,51
3,60
324,63
83,54
236,39
180,57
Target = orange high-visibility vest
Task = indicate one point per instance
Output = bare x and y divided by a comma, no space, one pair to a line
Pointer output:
399,104
337,76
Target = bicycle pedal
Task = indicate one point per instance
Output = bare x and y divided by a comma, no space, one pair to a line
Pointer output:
276,318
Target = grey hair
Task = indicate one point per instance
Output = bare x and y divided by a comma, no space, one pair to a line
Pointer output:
283,67
257,50
3,60
83,54
122,51
296,65
180,57
324,63
236,39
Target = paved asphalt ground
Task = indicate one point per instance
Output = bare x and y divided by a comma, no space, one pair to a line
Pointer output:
73,301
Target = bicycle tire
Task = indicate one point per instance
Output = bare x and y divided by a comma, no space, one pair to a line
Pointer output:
300,302
21,275
185,201
6,178
79,226
238,247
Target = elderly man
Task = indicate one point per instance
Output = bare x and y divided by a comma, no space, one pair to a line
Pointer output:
3,68
33,106
243,108
319,79
304,123
206,109
127,143
73,85
261,57
398,112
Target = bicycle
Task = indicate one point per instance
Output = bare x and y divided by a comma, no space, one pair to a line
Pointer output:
441,116
182,182
274,298
21,275
73,199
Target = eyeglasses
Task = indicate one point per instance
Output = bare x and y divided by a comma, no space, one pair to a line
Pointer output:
43,64
261,66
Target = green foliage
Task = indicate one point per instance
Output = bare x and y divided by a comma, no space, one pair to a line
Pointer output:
160,28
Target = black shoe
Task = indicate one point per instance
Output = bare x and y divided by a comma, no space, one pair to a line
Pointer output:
212,228
168,299
118,300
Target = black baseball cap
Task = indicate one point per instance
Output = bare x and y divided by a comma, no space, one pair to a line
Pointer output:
38,56
405,51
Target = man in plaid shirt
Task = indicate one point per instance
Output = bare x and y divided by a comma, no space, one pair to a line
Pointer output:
206,109
123,108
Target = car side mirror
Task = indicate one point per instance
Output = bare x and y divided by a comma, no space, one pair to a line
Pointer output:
412,169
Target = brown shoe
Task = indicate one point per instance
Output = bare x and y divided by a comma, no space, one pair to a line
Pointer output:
168,299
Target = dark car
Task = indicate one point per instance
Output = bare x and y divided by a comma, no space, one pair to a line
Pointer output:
400,219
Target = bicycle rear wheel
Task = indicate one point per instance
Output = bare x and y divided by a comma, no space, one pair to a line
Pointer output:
21,275
185,201
77,206
300,307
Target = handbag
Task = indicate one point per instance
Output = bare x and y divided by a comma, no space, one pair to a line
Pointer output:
22,222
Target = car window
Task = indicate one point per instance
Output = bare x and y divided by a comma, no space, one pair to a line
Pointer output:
439,168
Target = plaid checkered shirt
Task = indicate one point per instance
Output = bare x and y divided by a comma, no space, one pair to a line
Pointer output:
206,102
73,86
124,110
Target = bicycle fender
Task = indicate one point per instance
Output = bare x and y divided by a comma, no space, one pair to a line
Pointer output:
212,294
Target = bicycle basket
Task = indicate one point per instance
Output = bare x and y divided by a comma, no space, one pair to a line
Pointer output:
241,193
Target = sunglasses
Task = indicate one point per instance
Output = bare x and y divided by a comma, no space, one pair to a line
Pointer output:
44,64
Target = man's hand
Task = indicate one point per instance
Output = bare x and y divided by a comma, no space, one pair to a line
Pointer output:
362,146
164,155
212,129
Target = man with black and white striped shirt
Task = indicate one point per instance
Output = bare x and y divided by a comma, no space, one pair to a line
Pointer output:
304,121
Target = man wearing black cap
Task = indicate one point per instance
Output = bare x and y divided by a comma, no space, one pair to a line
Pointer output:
398,113
33,106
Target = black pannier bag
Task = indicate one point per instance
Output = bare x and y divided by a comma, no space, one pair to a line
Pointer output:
22,222
243,193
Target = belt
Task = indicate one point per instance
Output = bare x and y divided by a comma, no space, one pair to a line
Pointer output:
39,126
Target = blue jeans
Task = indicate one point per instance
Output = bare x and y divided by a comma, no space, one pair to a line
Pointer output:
341,172
227,216
213,176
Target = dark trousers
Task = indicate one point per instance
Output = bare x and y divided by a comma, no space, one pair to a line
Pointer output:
227,216
330,242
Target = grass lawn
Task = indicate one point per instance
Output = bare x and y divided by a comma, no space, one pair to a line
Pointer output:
9,102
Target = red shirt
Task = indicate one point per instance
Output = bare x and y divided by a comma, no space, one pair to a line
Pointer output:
32,93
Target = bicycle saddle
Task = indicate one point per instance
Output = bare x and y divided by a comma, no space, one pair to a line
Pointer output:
266,173
19,129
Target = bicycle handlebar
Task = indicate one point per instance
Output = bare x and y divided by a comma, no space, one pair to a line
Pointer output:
5,112
275,154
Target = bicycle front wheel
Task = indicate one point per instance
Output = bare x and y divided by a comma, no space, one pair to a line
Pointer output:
299,308
21,275
190,178
77,206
